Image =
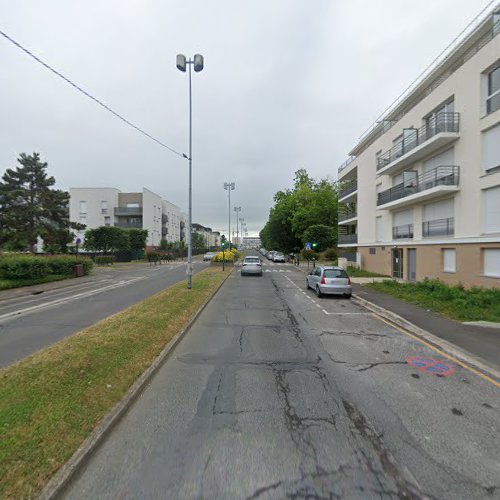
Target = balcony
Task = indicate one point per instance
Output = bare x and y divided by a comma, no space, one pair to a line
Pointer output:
129,225
347,215
164,218
128,211
438,131
348,239
164,231
347,191
433,184
438,227
403,232
346,164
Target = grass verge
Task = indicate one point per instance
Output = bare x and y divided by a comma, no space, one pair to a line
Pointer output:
354,272
51,401
454,302
9,284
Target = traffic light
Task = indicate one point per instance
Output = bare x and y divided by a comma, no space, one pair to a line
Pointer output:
314,245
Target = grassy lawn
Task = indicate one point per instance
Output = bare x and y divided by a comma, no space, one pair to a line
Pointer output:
51,401
475,304
353,272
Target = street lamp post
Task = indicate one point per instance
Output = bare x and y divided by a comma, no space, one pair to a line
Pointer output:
229,186
197,62
237,210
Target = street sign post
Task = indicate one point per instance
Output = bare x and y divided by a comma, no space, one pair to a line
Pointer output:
308,246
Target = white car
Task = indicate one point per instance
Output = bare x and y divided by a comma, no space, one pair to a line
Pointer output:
209,256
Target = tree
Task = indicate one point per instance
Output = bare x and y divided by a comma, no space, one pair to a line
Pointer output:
30,207
295,210
320,234
107,239
198,240
137,239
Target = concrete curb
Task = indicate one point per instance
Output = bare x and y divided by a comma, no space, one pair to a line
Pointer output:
61,480
438,343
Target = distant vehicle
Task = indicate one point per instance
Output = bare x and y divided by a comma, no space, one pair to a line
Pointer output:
263,251
270,254
278,257
251,265
209,256
329,280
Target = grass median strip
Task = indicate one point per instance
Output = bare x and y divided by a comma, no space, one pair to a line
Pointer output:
51,401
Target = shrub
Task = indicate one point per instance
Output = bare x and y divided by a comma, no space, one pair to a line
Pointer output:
30,267
23,267
102,260
330,254
227,256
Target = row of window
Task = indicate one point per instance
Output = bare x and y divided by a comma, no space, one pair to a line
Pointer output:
490,258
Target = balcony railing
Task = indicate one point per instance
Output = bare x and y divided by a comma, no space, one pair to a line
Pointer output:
347,214
444,175
346,163
402,232
348,189
129,225
492,104
345,239
442,122
438,227
164,218
128,210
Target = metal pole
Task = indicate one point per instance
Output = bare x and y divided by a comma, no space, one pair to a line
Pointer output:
237,234
190,242
229,218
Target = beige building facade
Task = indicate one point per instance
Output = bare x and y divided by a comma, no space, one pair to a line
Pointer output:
420,193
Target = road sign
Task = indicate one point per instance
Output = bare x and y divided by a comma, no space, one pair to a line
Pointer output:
308,246
430,365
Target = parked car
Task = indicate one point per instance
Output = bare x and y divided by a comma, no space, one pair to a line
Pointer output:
270,254
251,265
278,257
329,280
209,256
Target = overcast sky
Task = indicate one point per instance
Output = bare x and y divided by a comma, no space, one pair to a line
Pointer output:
287,84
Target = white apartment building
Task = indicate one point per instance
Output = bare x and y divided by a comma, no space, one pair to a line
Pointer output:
420,193
97,207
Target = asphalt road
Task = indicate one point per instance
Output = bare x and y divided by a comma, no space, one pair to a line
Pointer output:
31,322
277,394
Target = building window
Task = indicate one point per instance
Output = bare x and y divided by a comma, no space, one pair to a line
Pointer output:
83,219
373,250
493,90
491,262
491,148
83,207
492,210
107,220
104,207
449,260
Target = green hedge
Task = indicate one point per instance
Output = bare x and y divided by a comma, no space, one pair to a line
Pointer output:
16,266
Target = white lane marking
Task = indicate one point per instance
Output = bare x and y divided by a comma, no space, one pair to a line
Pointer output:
317,305
326,312
29,310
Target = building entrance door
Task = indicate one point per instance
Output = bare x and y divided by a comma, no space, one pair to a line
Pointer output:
397,262
412,264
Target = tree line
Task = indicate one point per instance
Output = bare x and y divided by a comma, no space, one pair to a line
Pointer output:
305,213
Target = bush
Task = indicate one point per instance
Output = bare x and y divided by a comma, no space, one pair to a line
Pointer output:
30,267
308,254
105,260
330,254
227,256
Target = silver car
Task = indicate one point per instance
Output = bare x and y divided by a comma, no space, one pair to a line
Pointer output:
278,257
251,265
329,280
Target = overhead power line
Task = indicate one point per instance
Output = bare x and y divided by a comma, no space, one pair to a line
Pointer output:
90,96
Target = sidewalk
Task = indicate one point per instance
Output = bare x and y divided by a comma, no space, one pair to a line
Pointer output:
483,342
